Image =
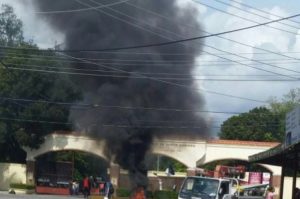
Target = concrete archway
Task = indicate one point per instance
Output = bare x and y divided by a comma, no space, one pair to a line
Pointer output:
191,153
60,142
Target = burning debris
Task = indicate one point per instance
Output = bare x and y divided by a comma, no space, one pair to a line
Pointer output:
139,193
127,110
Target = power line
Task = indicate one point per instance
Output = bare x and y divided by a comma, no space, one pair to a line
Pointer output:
231,40
172,83
33,121
223,37
253,13
156,44
164,74
159,78
262,11
98,106
201,43
112,73
185,86
148,62
134,126
246,19
80,2
126,107
80,10
178,54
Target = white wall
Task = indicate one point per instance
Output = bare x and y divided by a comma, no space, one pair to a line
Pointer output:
11,173
287,189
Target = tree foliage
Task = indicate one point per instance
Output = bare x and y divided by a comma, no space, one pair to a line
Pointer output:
259,124
84,163
11,33
262,123
24,123
161,163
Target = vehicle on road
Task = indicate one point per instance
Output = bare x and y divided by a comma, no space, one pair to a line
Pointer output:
196,187
204,188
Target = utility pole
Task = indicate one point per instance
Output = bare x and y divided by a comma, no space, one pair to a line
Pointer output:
73,167
157,163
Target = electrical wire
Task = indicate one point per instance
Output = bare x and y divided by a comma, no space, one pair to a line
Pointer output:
99,106
172,83
246,19
155,44
79,10
134,126
122,126
164,74
145,62
253,13
179,54
262,11
224,38
257,68
169,83
80,2
220,36
140,77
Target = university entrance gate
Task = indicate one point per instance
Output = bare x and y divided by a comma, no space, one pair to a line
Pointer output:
191,153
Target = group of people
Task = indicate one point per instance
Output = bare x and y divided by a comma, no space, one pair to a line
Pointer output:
106,189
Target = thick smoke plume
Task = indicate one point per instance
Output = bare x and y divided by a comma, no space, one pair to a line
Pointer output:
129,131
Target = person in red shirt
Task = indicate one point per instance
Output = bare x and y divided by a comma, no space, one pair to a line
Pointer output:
86,186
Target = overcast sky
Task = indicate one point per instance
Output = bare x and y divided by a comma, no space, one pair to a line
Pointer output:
214,21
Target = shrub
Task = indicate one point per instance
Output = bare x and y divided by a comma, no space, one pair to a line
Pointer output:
122,192
149,194
165,194
21,186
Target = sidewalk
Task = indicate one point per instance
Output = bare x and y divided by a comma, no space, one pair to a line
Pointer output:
6,195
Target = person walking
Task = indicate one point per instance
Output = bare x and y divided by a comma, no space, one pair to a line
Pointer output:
109,190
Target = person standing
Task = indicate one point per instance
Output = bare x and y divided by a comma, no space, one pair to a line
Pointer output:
109,190
86,186
270,193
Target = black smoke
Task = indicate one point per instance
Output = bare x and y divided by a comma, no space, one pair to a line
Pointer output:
129,131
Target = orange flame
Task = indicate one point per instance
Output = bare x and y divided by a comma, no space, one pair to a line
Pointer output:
139,193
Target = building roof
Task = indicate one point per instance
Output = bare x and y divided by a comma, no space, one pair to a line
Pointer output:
243,142
279,155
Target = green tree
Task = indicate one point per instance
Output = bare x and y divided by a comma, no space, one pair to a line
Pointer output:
259,124
84,163
262,123
11,33
163,162
283,106
24,123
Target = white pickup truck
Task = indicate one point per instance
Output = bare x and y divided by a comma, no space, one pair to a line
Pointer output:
215,188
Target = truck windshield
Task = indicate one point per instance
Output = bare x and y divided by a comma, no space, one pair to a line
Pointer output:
205,187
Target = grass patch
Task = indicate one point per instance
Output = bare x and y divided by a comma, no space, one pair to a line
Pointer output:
21,186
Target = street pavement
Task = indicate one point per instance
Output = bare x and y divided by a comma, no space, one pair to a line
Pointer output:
33,196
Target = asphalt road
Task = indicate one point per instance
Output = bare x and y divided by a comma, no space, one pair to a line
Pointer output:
21,196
